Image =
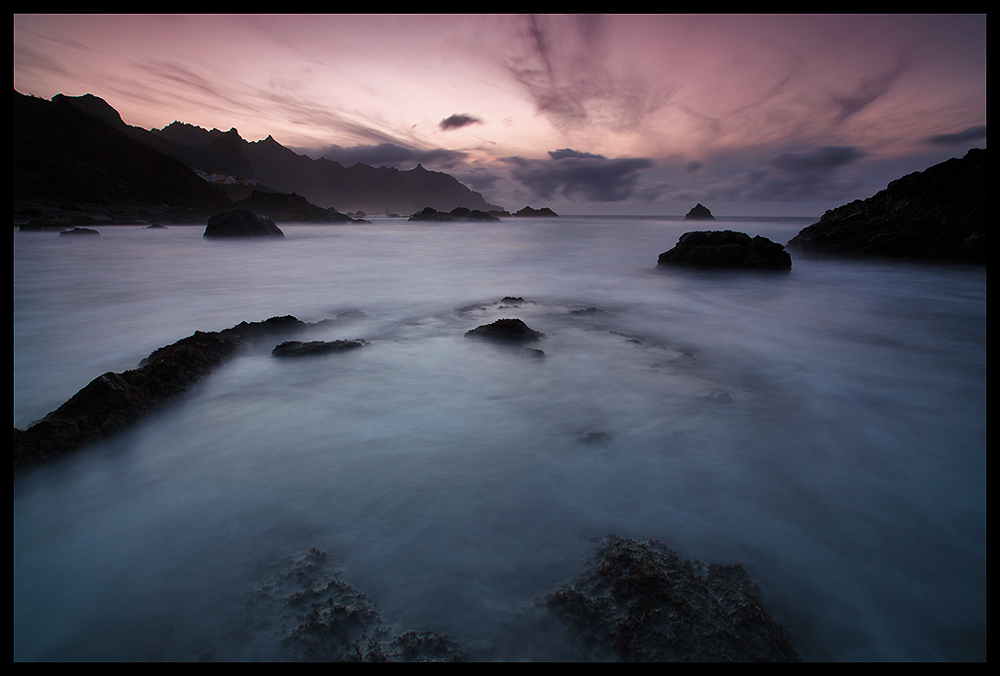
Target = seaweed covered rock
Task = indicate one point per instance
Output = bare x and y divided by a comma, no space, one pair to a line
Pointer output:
510,330
241,223
642,602
726,249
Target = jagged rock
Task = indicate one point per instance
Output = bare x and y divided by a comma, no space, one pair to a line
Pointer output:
241,223
80,231
936,214
699,212
506,330
726,249
291,208
456,214
113,401
295,348
544,212
641,602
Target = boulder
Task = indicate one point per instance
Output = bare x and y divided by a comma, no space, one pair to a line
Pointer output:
509,330
80,231
699,212
241,223
295,348
937,214
726,249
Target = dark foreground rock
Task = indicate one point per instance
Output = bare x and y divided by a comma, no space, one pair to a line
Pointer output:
726,249
641,602
114,401
507,331
295,348
241,223
938,214
699,212
456,214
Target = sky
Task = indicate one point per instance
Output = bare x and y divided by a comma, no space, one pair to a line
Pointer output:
756,115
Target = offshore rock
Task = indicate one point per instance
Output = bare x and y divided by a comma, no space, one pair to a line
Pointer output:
544,212
456,214
699,212
506,330
241,223
80,231
726,249
293,208
295,348
641,602
937,214
114,401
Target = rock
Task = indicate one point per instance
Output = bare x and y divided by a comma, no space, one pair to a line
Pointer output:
292,208
641,602
699,212
506,330
726,249
544,212
456,214
936,214
113,401
241,223
80,231
294,348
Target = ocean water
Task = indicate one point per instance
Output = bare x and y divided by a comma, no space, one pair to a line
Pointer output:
823,428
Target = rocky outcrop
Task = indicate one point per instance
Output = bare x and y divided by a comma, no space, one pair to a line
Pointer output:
726,249
114,401
544,212
292,208
936,214
241,223
699,212
456,214
507,331
641,602
295,348
80,231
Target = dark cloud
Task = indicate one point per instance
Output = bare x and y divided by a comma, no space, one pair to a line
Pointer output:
813,174
970,135
578,176
870,90
458,121
390,155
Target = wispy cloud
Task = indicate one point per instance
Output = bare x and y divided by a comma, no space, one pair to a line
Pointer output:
970,135
578,176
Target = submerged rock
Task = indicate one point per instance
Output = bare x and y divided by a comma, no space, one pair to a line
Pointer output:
241,223
509,330
294,348
699,212
726,249
936,214
641,602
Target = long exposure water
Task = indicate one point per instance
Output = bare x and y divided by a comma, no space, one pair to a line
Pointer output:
823,428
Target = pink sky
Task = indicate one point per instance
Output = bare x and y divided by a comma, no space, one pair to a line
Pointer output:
748,114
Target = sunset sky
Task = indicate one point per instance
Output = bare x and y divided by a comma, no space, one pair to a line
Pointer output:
747,114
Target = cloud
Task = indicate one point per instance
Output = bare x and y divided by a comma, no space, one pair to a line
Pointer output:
809,175
970,135
390,155
579,176
869,91
458,121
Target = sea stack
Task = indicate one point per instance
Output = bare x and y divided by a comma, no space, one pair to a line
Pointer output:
726,249
699,212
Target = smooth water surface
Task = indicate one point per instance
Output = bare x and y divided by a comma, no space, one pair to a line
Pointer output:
824,428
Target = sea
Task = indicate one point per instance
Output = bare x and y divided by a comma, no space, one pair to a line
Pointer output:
824,428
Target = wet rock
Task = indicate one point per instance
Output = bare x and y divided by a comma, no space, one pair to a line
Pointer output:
641,602
699,212
294,348
726,249
241,223
509,330
80,231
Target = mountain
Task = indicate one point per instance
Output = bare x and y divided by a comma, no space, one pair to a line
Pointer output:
64,155
323,182
936,214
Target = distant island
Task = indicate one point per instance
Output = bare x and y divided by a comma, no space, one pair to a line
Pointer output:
699,212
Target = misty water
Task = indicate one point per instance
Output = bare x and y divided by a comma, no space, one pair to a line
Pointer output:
823,428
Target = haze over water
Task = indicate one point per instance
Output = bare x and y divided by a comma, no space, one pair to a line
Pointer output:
824,428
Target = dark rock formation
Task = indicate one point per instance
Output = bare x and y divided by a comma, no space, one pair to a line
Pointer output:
936,214
241,223
282,207
506,330
80,231
544,212
456,214
295,348
726,249
699,212
113,401
641,602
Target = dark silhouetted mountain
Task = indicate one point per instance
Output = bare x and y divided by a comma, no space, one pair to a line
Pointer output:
321,181
63,155
935,214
